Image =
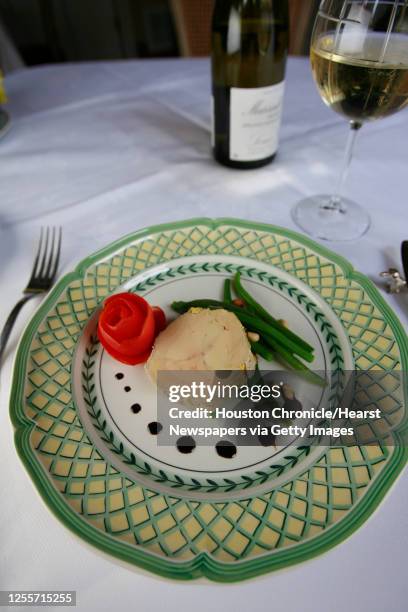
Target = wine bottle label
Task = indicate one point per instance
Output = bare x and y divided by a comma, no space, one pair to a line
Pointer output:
255,117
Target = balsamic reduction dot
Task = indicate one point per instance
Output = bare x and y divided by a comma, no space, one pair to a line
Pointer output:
185,445
267,440
227,450
155,428
136,408
119,375
223,374
292,404
127,389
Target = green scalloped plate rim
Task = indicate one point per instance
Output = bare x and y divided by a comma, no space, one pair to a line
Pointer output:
202,565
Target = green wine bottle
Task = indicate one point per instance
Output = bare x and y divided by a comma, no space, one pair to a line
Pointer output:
249,50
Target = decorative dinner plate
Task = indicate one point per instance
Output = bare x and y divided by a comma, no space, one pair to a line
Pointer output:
82,419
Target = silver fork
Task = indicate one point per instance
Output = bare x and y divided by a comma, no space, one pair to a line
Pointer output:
42,276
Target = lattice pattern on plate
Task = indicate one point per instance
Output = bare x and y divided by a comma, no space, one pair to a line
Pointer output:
230,531
170,527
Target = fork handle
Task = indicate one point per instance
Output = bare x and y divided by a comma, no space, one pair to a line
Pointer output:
9,324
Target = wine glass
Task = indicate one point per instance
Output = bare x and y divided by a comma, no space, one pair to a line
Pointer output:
359,57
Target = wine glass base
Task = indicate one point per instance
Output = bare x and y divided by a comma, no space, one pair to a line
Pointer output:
317,218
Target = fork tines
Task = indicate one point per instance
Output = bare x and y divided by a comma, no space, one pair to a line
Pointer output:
48,255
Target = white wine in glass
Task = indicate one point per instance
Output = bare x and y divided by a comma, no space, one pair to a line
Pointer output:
359,57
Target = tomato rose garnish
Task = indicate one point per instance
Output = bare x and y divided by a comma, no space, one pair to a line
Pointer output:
128,326
159,319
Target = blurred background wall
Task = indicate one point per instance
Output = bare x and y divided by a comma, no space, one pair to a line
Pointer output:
48,31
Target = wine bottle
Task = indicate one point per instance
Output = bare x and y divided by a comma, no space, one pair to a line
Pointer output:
249,50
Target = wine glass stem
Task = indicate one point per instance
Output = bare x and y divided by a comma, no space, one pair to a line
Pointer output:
335,202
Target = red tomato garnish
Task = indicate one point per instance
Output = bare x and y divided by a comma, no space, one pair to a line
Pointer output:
128,326
159,319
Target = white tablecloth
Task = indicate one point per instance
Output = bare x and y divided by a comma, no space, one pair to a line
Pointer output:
104,149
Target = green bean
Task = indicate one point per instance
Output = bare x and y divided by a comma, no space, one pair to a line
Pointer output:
287,344
288,359
285,358
182,307
263,351
227,291
260,311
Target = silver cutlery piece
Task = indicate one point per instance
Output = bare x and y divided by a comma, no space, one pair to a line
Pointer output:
395,282
42,276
